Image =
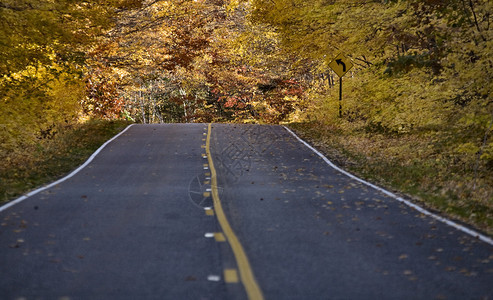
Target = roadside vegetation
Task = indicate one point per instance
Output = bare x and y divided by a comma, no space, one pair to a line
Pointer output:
422,166
51,159
417,109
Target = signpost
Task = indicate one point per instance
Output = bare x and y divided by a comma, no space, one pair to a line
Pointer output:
341,65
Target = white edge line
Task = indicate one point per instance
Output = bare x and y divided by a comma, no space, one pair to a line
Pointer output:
400,199
88,161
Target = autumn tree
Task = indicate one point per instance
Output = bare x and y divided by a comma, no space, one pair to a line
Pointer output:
195,60
43,46
418,63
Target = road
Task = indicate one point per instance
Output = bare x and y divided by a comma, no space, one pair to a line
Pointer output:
225,211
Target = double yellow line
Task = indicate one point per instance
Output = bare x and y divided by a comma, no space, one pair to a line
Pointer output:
246,274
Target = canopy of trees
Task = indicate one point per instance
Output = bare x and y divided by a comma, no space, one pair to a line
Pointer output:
177,61
427,56
419,64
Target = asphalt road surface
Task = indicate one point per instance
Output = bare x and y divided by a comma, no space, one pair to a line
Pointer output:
223,211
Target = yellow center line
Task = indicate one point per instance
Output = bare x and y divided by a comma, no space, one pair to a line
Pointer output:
246,273
231,276
219,237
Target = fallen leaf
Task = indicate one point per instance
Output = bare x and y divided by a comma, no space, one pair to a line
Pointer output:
403,256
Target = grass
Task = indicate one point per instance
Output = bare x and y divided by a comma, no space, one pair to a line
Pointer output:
422,166
50,159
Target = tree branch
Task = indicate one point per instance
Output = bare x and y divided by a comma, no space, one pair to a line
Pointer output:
476,23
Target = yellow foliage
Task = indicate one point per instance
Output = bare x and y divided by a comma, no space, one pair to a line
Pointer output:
35,103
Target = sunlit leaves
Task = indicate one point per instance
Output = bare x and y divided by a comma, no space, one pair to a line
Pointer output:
43,47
